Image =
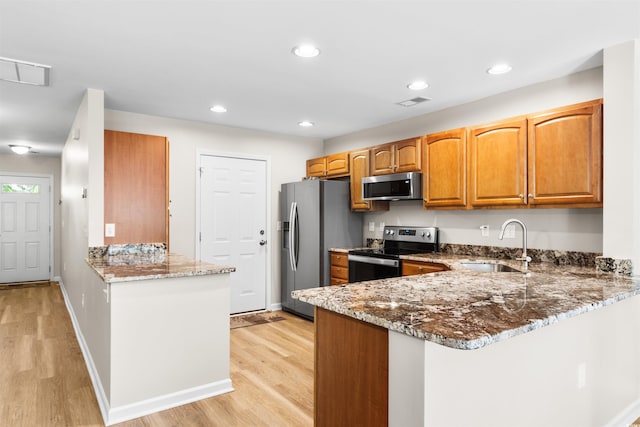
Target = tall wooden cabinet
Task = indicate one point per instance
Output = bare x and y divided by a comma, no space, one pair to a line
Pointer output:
359,166
564,154
444,164
136,187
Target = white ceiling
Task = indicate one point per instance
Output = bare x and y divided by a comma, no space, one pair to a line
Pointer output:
177,58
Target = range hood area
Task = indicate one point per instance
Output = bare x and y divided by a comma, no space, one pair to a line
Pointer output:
397,186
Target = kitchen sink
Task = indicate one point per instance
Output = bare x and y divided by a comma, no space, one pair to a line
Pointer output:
489,267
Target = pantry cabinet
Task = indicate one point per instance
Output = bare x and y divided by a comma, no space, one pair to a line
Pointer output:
359,164
444,169
410,267
497,168
339,268
396,157
331,166
564,154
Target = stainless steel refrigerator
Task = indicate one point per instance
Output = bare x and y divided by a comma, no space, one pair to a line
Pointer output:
315,216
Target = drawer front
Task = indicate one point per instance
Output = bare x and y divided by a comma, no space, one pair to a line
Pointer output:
337,281
409,268
339,259
340,272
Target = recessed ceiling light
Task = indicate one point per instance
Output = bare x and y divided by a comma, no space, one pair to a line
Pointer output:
218,109
306,51
306,124
20,149
499,69
418,85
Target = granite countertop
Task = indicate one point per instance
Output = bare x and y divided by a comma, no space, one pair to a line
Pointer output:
147,266
465,309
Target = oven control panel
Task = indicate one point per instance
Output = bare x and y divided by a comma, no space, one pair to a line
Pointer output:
411,234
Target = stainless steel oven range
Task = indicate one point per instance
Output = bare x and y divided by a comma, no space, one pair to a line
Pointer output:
370,264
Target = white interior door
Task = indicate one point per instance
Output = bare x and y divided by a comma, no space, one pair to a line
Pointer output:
233,225
24,228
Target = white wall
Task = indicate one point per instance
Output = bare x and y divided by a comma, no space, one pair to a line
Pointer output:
43,165
287,156
562,229
622,152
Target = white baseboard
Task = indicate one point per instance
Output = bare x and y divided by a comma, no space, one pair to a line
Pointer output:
161,403
275,307
627,416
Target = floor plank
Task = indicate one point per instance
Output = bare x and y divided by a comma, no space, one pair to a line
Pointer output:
44,380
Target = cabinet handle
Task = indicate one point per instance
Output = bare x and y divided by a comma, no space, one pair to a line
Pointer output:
530,196
521,196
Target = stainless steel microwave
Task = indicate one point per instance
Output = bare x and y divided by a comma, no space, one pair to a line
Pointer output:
397,186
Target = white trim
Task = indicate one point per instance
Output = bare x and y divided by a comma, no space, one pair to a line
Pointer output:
275,307
51,211
268,237
627,416
167,401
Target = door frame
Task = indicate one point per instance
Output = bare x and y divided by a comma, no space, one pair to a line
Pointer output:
270,240
52,224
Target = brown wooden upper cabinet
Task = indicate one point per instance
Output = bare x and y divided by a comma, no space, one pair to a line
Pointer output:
548,159
498,163
331,166
564,149
136,187
359,166
396,157
444,169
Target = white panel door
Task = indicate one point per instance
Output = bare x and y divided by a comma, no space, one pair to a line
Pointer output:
233,225
24,228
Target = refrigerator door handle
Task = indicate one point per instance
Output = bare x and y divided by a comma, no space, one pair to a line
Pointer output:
292,239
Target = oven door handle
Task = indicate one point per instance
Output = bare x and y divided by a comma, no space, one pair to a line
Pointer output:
375,261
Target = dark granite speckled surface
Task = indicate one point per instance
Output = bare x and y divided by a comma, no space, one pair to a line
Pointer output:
467,310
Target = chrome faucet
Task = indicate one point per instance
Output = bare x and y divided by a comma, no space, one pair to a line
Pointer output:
524,258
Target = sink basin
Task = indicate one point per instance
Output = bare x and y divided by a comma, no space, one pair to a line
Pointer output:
489,267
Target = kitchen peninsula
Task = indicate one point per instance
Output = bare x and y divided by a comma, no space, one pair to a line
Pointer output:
552,347
159,329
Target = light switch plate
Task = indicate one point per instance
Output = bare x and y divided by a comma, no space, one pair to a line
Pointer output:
372,226
484,230
109,230
381,226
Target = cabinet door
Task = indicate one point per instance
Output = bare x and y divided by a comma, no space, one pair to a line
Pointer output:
407,155
444,176
565,155
136,187
317,167
337,164
359,166
383,159
410,268
498,164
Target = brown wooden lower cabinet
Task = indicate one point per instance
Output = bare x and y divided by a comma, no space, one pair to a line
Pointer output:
409,268
339,268
351,372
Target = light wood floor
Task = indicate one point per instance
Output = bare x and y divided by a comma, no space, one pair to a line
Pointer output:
44,381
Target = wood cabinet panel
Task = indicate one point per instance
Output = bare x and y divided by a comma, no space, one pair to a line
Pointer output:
410,268
383,159
444,176
407,155
351,372
359,164
498,164
339,268
317,167
136,187
338,164
565,155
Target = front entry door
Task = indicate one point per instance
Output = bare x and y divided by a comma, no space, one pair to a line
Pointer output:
233,225
24,228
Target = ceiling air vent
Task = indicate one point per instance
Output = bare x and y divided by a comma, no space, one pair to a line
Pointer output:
413,101
30,73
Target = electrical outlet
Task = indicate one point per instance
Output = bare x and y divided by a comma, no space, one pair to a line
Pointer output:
510,231
381,226
109,230
484,230
372,226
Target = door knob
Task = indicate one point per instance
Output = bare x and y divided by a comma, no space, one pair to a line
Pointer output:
263,242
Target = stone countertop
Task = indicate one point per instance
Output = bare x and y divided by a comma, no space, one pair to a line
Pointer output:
127,268
465,309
